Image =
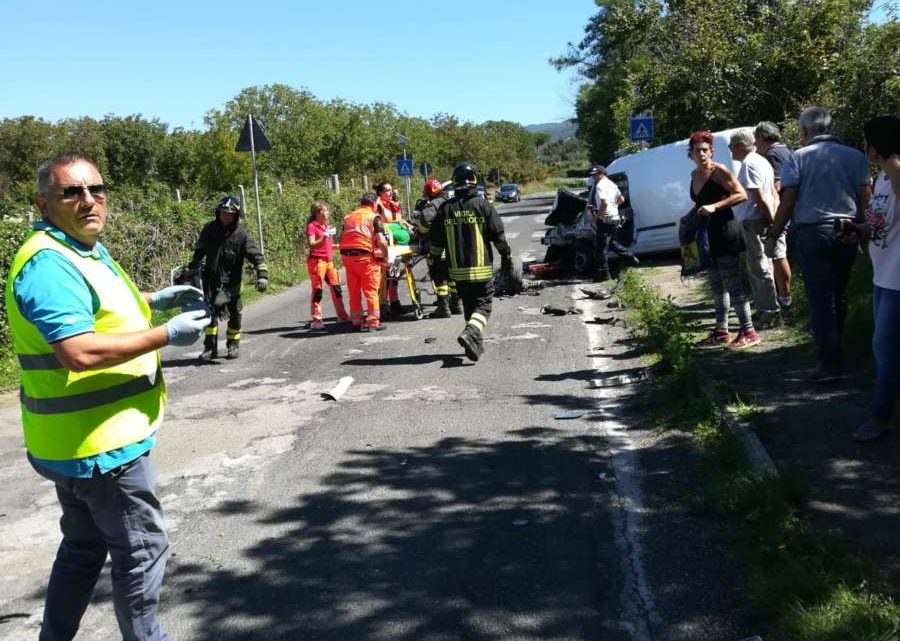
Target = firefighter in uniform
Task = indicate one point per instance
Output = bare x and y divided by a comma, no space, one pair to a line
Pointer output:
466,226
362,248
223,246
426,211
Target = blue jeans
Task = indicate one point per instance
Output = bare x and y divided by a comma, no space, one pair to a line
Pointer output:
116,513
886,346
826,263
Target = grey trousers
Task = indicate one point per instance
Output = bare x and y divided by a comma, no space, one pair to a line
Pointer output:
728,289
759,266
116,513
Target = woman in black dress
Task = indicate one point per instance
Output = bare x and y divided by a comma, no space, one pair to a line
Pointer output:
715,190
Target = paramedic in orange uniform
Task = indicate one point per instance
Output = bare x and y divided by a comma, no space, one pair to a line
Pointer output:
362,245
320,267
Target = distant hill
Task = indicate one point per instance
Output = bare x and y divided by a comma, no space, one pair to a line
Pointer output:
559,130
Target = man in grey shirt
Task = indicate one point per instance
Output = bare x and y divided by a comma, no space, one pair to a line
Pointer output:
824,183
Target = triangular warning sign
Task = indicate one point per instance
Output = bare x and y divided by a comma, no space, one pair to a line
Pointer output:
260,142
641,131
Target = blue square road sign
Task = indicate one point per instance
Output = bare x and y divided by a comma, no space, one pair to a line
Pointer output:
642,128
404,166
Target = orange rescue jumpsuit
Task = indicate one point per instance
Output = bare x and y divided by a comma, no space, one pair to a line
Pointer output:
359,242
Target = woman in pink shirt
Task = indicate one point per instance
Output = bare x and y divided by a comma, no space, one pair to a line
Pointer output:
321,266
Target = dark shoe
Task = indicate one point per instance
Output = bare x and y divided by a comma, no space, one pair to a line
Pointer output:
470,343
870,431
377,328
768,320
442,310
233,351
210,349
363,328
455,305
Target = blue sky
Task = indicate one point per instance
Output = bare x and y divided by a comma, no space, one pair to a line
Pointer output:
475,59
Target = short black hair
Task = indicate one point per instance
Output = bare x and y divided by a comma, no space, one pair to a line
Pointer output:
883,134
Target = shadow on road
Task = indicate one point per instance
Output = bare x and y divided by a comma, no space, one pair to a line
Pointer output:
425,544
447,360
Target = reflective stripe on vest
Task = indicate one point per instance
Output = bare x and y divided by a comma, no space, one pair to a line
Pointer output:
359,230
68,415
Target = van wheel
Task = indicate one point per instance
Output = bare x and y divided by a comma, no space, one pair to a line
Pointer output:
583,258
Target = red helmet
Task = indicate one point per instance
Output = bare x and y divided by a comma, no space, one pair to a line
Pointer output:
432,188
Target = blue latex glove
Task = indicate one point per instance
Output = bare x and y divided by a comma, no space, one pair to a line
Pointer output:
175,296
187,327
261,284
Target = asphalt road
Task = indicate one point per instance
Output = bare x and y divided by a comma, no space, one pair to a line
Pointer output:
438,500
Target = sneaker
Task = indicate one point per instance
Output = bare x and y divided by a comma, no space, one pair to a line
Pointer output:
717,339
470,344
317,326
745,338
870,431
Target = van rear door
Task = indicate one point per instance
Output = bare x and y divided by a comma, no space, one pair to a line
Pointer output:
625,235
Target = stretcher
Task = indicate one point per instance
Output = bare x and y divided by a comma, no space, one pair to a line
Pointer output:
401,261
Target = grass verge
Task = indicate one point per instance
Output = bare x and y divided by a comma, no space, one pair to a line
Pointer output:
812,584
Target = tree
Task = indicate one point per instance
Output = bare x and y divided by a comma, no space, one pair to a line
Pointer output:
701,64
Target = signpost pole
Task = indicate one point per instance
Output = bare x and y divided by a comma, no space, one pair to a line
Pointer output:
256,186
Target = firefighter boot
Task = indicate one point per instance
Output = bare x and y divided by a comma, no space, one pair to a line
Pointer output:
210,348
470,340
455,304
442,308
233,349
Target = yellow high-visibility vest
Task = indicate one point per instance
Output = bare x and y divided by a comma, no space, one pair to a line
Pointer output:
68,415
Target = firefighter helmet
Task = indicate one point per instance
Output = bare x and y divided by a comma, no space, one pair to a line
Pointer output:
432,188
464,176
229,204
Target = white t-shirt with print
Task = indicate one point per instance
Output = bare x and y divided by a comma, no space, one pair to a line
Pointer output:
755,173
884,241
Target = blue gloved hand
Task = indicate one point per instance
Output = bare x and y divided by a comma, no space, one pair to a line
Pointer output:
175,296
261,284
187,327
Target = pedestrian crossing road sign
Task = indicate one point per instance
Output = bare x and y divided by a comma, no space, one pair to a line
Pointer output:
642,128
404,166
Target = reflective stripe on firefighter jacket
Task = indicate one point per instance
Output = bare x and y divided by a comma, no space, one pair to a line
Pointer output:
359,230
68,415
465,226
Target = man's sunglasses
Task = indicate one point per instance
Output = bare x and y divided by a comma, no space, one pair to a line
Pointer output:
74,192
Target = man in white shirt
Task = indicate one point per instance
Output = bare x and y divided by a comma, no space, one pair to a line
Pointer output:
603,205
755,216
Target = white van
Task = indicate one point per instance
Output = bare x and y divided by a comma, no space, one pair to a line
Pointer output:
656,185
